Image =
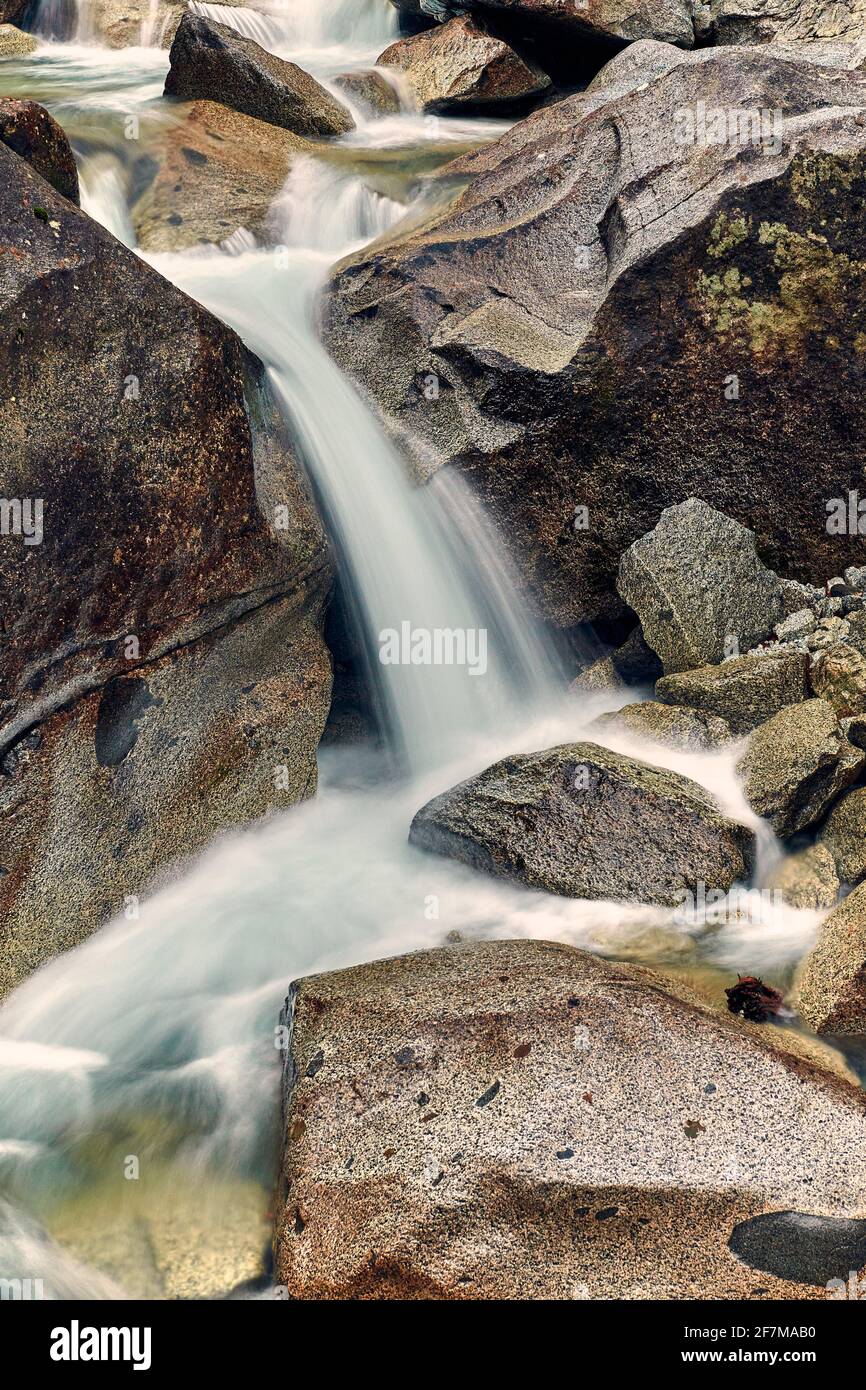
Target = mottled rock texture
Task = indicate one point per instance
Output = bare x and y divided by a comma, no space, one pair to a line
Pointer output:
520,1120
569,820
698,587
459,66
33,134
675,725
14,42
832,986
797,764
807,879
844,836
162,650
218,171
211,62
588,299
745,691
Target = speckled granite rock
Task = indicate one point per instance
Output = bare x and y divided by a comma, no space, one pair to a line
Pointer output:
832,986
838,674
797,764
14,42
698,587
211,62
844,836
744,691
520,1120
459,66
569,820
807,879
672,724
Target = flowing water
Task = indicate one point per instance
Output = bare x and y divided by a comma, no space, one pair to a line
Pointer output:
139,1074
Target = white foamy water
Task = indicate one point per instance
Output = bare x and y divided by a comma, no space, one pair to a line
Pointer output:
172,1017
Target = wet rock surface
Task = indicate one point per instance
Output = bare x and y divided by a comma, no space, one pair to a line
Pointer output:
745,691
31,132
522,1120
680,253
163,649
219,171
675,725
567,820
214,63
844,836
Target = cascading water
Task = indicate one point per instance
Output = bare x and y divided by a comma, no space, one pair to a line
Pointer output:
163,1028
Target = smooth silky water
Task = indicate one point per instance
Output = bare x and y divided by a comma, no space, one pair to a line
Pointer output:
156,1039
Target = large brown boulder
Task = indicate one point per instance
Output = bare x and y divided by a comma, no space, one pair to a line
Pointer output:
621,313
212,62
30,130
568,819
459,66
521,1120
162,578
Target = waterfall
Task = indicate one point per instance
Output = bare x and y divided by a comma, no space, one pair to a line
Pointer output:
54,19
309,26
409,555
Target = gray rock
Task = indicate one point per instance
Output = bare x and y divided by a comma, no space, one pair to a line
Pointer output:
601,674
807,879
211,62
844,836
568,819
744,691
547,296
798,624
797,764
829,631
667,20
632,663
698,587
832,986
777,21
32,133
521,1120
838,675
675,725
459,66
797,596
855,577
163,650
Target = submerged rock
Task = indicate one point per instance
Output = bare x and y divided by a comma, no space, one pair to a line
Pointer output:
218,171
844,836
568,820
214,63
460,66
33,134
832,986
594,302
675,725
521,1120
807,879
371,90
162,657
698,587
744,691
797,764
